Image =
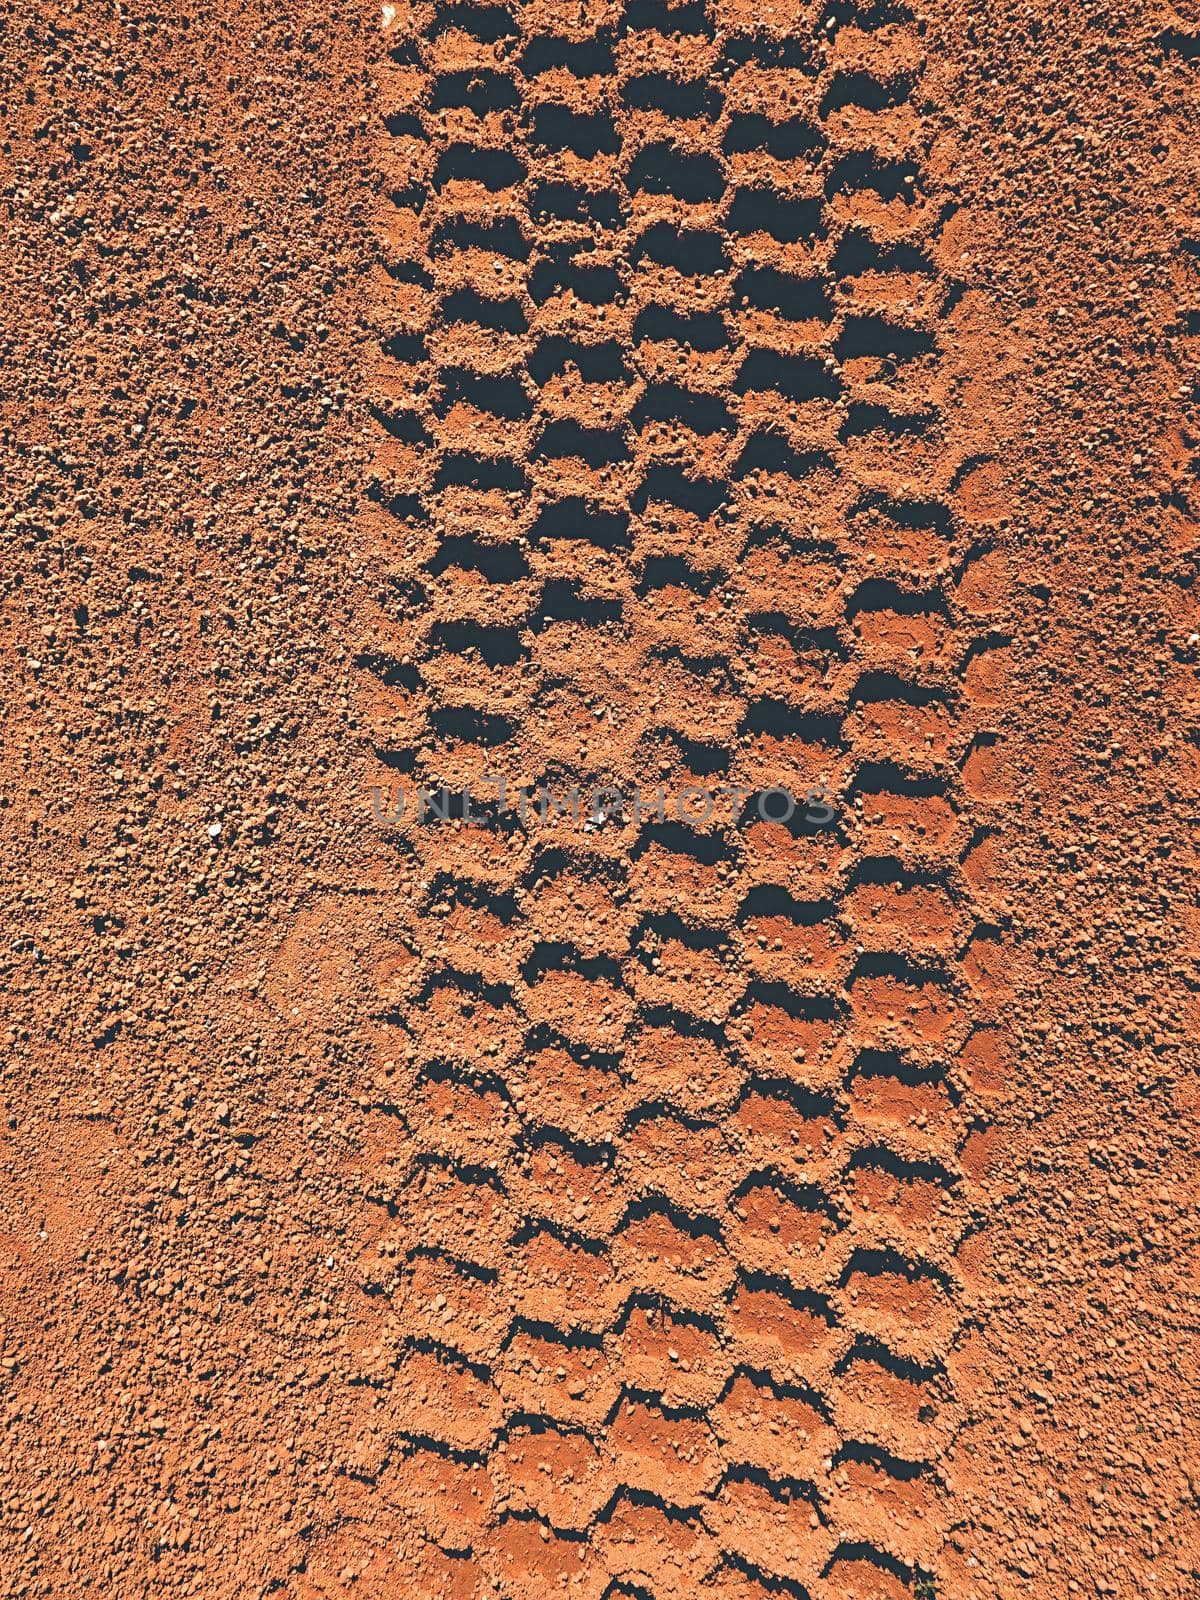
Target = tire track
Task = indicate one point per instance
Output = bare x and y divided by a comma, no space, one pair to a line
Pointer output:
676,1157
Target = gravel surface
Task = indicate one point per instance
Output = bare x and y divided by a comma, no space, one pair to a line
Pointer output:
687,396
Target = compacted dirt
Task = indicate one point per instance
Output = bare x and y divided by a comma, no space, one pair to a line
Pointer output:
665,1199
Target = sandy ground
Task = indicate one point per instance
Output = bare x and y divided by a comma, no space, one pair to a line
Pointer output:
682,396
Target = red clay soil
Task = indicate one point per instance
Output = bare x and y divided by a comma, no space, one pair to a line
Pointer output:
600,394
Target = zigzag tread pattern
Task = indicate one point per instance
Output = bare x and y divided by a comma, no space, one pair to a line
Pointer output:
673,1158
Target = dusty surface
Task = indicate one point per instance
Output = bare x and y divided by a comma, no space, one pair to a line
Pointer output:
598,394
